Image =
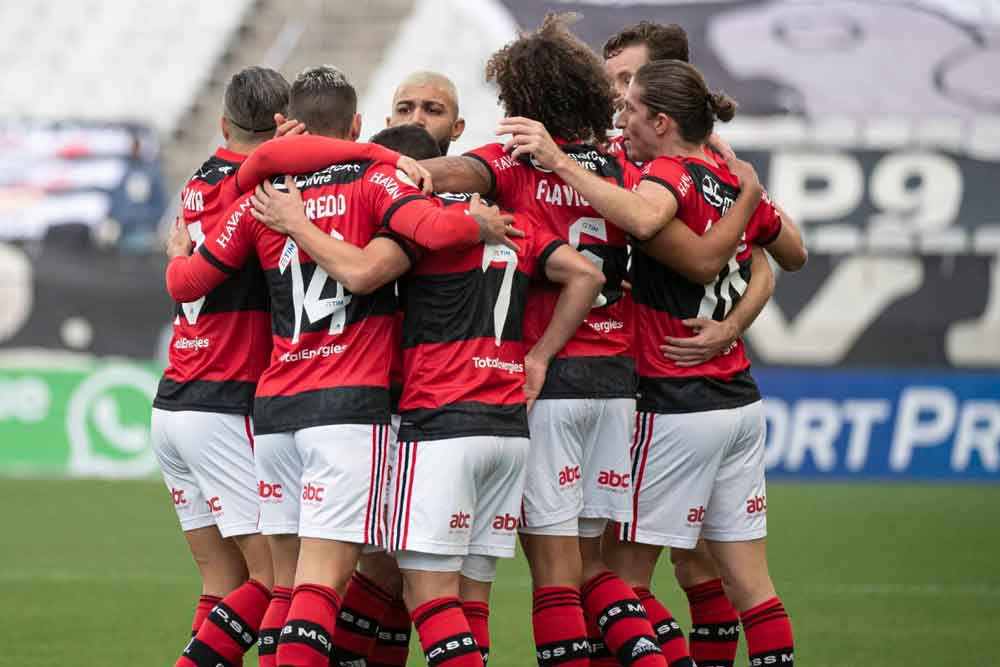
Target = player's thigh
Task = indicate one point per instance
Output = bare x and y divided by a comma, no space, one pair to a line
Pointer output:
343,482
433,497
499,479
189,502
607,475
219,449
553,490
737,508
675,461
279,483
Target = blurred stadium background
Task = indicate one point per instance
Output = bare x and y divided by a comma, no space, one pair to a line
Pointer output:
876,124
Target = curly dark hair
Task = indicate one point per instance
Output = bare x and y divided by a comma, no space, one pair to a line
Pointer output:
553,77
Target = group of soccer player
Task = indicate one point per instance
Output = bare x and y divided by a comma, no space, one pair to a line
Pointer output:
374,390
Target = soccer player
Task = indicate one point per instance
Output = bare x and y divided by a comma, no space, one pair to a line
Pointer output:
699,458
201,429
321,407
463,410
430,100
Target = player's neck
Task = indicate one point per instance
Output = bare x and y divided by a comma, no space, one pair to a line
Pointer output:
241,147
691,149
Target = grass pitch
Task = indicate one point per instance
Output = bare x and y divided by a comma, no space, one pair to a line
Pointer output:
97,573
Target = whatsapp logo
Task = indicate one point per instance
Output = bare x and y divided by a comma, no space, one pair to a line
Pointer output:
107,423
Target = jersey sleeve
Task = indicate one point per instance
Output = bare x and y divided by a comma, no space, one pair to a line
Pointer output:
765,223
224,252
403,209
672,175
501,166
304,153
543,244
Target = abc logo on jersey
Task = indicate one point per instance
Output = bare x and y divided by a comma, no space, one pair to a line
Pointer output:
612,479
313,492
460,521
505,523
269,491
569,475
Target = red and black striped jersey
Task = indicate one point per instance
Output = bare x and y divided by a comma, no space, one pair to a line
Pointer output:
597,362
463,346
663,297
331,349
204,373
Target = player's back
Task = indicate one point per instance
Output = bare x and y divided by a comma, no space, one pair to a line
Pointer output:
220,343
463,347
664,297
597,361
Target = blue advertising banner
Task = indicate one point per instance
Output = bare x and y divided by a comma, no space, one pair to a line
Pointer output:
884,423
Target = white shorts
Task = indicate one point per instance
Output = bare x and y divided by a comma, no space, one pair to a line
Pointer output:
698,474
578,465
458,496
325,482
208,464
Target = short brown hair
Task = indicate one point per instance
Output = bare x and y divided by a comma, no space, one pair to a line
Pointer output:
665,41
678,90
551,76
252,97
324,100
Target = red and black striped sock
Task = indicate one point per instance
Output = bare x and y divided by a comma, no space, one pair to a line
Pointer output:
600,656
230,630
559,627
478,616
306,638
270,626
668,630
205,604
769,634
357,624
392,647
445,635
715,625
622,621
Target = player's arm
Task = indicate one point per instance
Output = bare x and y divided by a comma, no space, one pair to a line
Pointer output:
301,154
787,247
459,174
192,276
713,338
360,270
581,282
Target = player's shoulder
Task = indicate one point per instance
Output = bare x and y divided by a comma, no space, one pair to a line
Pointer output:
218,167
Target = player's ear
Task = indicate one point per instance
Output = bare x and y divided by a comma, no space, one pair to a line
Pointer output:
457,128
388,120
224,127
356,127
663,124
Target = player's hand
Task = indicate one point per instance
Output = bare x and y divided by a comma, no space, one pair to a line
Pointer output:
279,211
179,240
721,147
419,175
535,370
710,340
747,175
494,227
530,137
287,127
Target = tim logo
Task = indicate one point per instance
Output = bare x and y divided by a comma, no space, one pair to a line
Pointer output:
696,514
757,505
460,521
569,475
313,492
505,523
267,491
611,479
214,504
178,497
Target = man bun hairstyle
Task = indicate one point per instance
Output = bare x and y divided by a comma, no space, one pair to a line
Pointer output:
551,76
664,41
252,97
323,99
678,90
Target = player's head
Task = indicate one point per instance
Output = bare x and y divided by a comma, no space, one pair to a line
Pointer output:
551,76
668,104
638,44
430,100
326,102
410,140
253,95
